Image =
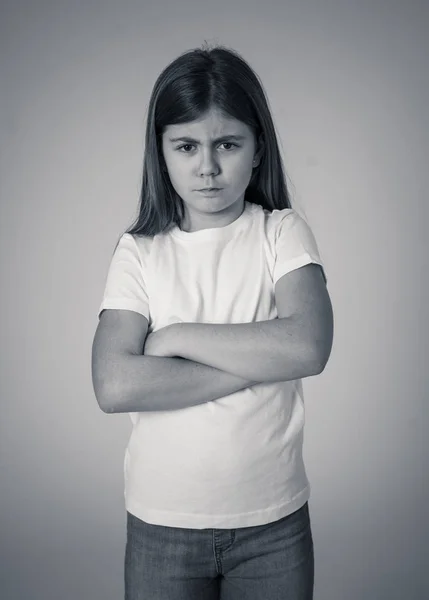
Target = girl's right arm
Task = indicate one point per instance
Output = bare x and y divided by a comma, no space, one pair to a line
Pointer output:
124,380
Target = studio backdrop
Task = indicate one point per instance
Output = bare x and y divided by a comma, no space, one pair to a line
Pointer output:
348,88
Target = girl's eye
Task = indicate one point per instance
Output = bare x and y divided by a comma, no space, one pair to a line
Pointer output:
229,144
184,146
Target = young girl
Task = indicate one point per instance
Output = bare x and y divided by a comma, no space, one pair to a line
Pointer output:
215,308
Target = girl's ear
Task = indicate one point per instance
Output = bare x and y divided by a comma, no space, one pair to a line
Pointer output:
259,151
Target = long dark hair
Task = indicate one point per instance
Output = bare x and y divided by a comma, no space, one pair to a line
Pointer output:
186,89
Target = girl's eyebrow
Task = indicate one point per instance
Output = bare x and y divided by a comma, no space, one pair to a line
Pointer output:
190,140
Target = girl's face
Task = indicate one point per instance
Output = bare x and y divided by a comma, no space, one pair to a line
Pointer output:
212,152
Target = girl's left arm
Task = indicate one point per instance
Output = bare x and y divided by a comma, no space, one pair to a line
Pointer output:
295,345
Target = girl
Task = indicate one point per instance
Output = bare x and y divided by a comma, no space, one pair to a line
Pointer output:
215,308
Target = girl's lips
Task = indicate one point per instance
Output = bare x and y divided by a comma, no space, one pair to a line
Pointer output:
210,192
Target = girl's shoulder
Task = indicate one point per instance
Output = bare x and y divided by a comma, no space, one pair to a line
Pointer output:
143,241
276,214
274,219
134,245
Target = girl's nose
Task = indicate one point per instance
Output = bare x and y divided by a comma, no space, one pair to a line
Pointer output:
208,165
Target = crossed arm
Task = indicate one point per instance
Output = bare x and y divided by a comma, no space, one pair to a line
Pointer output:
295,345
187,364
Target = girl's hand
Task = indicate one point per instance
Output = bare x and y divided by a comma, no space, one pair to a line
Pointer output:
161,343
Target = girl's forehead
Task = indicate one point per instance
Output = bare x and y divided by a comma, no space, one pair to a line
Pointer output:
213,123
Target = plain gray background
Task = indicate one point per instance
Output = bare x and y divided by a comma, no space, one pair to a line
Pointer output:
348,87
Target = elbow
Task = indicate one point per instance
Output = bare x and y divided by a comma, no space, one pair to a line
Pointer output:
106,404
112,400
320,357
107,407
318,367
105,397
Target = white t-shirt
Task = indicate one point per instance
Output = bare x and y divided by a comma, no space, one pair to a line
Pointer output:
236,461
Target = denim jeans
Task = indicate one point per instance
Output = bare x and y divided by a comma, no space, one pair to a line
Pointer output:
267,562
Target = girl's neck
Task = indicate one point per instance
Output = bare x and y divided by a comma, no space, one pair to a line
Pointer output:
198,222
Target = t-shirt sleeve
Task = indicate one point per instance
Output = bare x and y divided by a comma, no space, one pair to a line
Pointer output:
125,284
295,245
